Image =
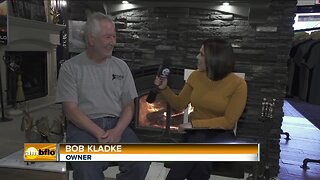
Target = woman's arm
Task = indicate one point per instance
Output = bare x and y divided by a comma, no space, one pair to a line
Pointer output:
178,102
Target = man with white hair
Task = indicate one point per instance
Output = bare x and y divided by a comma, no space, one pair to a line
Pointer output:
97,92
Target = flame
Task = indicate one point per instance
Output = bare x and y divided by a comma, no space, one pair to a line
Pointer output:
151,107
154,114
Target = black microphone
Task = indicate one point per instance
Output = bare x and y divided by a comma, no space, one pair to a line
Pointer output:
163,72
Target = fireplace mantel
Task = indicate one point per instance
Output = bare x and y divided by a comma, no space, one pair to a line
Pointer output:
24,29
30,35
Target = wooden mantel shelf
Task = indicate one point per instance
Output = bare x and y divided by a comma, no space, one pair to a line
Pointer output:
25,29
16,21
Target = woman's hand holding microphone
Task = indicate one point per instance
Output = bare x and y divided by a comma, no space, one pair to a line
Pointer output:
161,82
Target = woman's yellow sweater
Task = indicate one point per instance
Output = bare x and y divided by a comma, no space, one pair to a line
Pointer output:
217,104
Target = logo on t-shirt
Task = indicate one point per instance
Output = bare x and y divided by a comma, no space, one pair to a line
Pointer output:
116,76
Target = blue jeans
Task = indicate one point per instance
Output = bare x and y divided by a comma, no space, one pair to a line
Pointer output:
94,170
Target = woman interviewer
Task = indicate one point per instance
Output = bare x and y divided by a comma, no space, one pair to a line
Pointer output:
218,97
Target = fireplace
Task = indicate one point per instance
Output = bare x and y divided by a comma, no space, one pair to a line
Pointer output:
157,121
36,42
32,66
158,115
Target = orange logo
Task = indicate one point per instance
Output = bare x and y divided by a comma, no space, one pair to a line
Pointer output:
40,152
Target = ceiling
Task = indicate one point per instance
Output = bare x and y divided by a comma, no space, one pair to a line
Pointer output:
99,5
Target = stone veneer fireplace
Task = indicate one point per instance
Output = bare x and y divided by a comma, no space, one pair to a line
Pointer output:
33,36
260,31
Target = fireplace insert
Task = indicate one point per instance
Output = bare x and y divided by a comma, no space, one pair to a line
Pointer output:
157,121
157,115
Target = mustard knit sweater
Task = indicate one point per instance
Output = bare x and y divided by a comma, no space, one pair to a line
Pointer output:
217,104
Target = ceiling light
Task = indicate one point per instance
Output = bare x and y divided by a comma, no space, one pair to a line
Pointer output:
63,3
225,4
125,2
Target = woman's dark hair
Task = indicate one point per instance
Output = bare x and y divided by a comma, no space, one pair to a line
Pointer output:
219,58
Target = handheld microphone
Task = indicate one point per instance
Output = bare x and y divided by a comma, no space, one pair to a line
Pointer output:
163,72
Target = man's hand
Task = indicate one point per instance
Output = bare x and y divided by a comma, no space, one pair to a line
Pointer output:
110,136
80,119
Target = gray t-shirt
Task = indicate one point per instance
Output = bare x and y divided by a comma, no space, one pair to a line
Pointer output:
98,89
